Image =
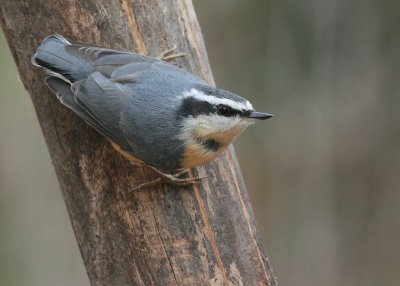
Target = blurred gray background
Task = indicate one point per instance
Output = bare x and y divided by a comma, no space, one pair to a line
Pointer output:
323,175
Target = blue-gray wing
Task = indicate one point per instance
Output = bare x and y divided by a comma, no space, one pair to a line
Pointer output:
102,99
74,61
97,100
106,60
124,107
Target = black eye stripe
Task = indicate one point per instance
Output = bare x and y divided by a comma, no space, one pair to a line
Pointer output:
193,107
225,110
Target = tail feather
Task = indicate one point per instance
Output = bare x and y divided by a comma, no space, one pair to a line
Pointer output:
55,59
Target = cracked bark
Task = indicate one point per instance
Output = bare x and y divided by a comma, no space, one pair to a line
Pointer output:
163,236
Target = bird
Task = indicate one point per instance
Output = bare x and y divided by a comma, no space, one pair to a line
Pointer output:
153,112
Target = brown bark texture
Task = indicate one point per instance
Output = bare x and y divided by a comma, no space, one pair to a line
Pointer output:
200,235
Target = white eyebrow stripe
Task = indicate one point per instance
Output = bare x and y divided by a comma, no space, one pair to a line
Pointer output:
217,100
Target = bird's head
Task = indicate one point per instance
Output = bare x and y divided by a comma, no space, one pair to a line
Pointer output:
212,118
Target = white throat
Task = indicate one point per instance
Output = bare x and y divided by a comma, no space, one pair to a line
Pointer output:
222,129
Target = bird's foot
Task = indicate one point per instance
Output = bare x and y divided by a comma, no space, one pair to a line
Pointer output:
172,179
168,55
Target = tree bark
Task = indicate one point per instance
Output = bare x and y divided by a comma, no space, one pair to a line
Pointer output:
200,235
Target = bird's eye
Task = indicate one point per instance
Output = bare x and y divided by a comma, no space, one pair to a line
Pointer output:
224,110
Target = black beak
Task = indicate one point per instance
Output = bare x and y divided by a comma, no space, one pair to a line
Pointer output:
259,115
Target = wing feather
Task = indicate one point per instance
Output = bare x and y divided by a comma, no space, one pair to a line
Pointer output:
103,99
64,94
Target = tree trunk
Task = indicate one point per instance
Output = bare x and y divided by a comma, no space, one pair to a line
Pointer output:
205,234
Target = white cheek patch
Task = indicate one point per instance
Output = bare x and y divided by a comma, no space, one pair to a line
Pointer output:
217,100
224,129
217,124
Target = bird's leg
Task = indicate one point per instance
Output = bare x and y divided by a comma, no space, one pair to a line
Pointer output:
168,56
168,176
169,179
147,184
174,178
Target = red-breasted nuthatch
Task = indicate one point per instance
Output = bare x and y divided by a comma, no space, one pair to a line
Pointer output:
152,112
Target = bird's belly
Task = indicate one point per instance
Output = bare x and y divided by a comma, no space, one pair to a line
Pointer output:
195,155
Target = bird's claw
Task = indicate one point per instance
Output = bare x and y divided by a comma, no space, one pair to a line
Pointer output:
171,180
168,56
